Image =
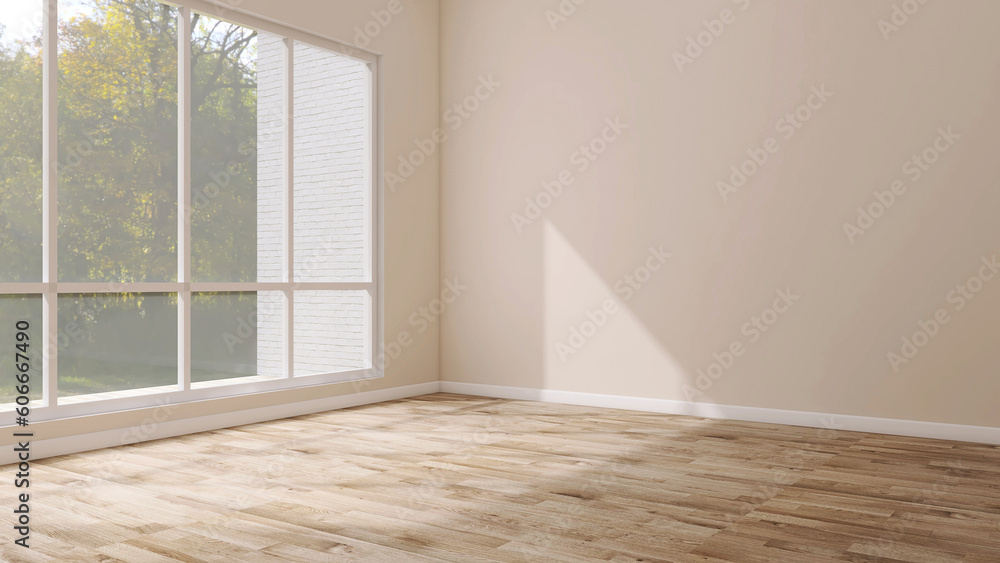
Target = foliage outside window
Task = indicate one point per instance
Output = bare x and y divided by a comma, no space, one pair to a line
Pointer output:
214,214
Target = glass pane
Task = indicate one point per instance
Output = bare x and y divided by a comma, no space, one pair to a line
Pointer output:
118,342
332,163
225,172
117,141
21,149
15,308
332,331
236,335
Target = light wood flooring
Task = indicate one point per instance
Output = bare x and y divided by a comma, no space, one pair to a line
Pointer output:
457,478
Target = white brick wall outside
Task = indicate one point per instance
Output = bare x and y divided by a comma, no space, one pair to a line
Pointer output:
331,205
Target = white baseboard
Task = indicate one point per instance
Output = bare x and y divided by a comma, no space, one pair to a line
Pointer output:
170,428
959,432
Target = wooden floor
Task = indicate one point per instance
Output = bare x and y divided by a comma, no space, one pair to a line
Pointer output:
456,478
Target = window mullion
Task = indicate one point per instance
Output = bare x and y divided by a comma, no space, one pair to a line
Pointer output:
289,207
375,344
184,198
50,217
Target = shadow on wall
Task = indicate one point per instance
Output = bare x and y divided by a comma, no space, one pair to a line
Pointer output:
801,218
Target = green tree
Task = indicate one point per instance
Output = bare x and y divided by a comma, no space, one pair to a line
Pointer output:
117,170
20,159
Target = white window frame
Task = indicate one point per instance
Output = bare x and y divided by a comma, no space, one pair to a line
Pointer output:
50,288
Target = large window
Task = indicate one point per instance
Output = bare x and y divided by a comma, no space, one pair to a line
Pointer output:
188,204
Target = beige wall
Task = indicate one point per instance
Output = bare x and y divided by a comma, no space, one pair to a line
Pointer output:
656,184
409,44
